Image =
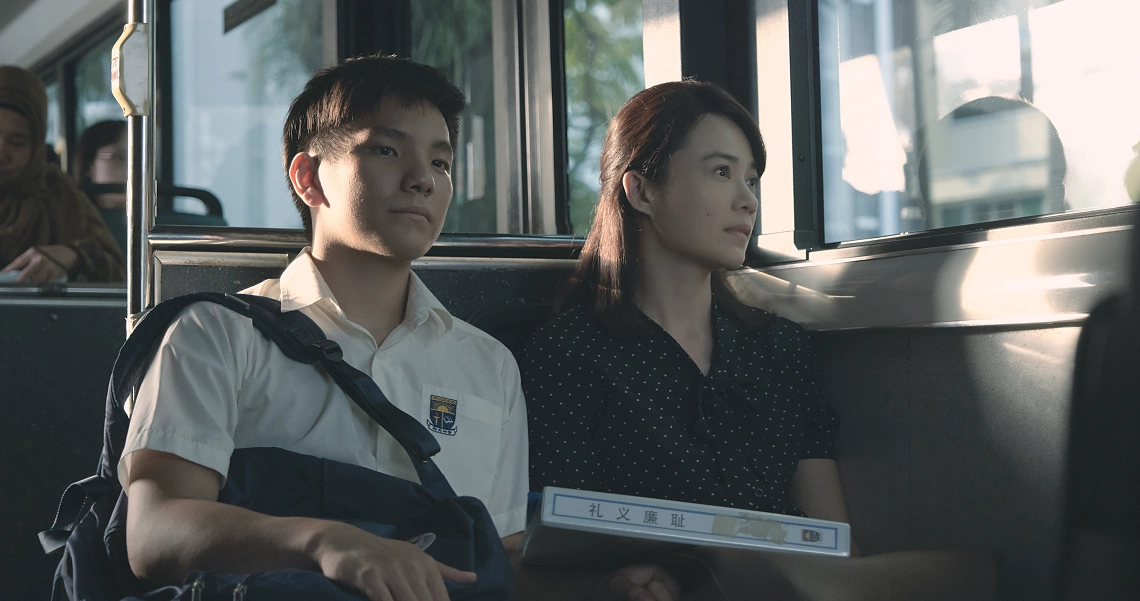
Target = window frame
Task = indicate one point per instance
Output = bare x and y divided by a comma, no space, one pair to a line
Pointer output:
59,67
806,242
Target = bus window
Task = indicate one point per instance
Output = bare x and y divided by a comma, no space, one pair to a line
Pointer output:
93,99
461,37
604,68
232,82
983,111
53,136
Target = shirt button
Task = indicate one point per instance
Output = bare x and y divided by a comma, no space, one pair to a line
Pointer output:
759,492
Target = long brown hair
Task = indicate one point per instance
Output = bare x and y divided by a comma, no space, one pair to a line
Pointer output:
642,137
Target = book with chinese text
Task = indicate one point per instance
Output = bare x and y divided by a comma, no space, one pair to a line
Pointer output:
576,527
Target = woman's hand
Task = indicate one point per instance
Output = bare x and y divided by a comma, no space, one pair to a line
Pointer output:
43,264
637,583
383,569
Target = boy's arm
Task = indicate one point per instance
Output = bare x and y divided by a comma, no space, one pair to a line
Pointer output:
175,525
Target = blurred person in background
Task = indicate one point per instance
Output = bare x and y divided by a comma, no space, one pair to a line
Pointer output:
49,231
101,158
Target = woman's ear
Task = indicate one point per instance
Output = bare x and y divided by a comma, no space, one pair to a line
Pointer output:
303,175
640,192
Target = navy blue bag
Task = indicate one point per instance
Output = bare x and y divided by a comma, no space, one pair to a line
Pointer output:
90,524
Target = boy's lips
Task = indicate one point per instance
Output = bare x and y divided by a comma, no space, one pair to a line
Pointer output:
415,212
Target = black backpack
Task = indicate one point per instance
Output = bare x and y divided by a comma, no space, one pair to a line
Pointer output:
90,525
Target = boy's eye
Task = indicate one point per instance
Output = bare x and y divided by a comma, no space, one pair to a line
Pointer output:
722,171
383,150
752,181
442,164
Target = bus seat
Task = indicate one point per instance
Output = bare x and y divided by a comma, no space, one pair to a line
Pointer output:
511,323
1101,549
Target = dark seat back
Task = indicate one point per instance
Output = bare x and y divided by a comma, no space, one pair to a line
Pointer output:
1101,553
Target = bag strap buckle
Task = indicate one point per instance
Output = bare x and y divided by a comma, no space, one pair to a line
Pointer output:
326,350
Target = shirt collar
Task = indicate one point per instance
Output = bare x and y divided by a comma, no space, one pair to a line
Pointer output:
423,305
302,285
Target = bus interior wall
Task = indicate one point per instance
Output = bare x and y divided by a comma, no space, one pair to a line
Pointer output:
947,437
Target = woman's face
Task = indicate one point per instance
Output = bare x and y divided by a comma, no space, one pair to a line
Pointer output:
110,167
706,207
15,146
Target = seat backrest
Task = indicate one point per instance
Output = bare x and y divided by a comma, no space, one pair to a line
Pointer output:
1101,553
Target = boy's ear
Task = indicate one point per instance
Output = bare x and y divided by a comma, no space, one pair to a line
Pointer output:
303,175
640,191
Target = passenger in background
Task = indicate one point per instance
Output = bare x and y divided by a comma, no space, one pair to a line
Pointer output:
657,380
48,229
101,158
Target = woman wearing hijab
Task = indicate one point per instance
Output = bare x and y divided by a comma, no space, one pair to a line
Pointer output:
48,229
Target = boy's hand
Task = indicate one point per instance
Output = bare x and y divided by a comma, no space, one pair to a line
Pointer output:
383,569
638,583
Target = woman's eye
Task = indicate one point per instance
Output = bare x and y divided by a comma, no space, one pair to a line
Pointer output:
722,171
442,164
384,150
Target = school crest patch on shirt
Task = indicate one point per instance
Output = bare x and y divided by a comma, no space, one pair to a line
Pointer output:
441,415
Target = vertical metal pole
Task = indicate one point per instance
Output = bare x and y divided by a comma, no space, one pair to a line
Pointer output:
140,187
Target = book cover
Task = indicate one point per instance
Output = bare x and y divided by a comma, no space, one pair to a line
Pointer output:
576,527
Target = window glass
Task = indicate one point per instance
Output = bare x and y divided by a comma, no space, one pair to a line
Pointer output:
459,38
231,92
604,67
93,99
53,134
968,112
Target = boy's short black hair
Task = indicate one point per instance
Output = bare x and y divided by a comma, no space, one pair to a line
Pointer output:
321,115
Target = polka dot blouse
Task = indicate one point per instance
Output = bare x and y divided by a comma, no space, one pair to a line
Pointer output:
637,416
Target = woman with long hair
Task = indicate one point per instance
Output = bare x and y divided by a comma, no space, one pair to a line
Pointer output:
656,380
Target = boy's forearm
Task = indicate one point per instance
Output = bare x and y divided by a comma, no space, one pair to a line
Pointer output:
167,538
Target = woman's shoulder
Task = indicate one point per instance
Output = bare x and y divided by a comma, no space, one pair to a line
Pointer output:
779,332
789,339
59,187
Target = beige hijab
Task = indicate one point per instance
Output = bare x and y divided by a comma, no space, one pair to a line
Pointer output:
43,207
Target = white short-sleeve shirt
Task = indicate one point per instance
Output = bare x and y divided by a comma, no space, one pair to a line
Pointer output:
216,384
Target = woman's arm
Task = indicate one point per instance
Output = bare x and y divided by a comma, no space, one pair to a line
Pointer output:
99,259
816,490
565,397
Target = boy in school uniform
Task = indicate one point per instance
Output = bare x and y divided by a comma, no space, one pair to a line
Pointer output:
368,147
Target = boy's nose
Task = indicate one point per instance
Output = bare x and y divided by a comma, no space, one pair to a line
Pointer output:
419,179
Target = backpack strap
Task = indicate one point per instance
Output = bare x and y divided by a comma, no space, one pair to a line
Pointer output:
130,365
302,340
299,339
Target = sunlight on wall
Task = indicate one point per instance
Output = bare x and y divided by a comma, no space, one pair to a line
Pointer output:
1003,280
